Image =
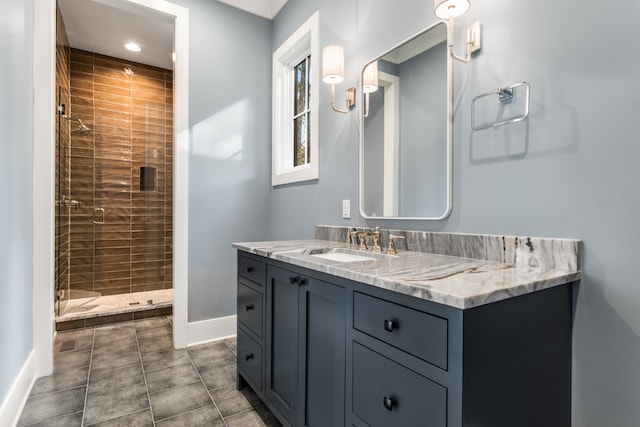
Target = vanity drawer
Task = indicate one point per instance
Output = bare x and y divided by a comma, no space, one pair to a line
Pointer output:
250,308
250,360
251,269
415,332
386,393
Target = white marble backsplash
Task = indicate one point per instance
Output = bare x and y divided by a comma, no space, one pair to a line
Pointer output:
547,253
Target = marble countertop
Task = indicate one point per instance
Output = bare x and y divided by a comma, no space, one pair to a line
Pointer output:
454,281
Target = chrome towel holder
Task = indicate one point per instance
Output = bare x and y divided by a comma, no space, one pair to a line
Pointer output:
505,96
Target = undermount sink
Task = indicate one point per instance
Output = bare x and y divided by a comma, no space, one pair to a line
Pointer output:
342,255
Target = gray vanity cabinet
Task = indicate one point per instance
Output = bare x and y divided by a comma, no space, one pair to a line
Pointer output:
305,348
326,351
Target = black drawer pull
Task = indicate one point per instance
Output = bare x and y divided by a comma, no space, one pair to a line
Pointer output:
390,325
250,269
303,282
248,357
249,307
388,403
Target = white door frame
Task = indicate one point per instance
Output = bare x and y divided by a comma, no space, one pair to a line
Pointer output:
44,173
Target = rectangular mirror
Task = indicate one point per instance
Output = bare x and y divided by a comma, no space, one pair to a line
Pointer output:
405,131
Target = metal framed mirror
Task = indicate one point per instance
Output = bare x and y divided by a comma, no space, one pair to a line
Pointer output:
406,130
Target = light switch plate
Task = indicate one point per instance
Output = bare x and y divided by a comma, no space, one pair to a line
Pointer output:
346,209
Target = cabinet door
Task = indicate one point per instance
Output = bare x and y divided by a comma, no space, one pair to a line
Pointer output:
322,352
282,342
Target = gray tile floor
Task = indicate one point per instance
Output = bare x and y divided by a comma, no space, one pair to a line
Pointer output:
129,374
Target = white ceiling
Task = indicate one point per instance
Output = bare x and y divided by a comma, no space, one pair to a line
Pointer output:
99,26
265,8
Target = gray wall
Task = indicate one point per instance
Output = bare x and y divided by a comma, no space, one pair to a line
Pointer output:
570,171
16,149
229,167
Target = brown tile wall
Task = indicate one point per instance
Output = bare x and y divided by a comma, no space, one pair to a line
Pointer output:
131,117
63,167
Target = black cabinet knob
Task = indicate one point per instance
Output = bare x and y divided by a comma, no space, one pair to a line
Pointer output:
248,356
297,280
390,325
249,307
388,403
250,269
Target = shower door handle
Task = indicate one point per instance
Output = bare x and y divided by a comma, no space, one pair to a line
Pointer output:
98,215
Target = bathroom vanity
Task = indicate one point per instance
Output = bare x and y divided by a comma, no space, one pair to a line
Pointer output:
329,335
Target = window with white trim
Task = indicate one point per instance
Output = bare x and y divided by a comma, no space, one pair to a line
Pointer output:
295,111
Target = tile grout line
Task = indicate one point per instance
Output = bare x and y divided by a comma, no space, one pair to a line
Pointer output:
235,353
86,390
144,374
206,388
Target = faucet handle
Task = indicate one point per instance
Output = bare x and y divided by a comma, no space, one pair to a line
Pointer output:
391,250
376,241
363,240
351,236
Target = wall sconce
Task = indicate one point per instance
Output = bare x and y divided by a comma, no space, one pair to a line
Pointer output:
333,73
369,83
450,9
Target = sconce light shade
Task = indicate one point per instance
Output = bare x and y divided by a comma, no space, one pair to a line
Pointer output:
333,64
446,9
370,78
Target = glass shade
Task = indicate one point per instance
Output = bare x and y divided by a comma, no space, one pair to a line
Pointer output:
446,9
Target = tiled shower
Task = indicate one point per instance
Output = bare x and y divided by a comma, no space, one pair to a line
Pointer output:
114,175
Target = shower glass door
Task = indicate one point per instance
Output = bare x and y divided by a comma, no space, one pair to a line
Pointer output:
114,186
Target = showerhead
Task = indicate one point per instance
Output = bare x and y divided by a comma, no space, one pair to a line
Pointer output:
81,126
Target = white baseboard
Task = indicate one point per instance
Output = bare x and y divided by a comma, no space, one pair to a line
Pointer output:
211,330
13,404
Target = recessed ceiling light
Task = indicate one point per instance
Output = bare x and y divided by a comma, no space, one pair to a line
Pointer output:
133,47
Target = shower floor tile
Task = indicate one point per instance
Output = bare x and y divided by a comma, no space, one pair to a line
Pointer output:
96,306
103,310
147,387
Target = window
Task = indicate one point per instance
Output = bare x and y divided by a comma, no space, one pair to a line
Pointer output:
295,113
301,113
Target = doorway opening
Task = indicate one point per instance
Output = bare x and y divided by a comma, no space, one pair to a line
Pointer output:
114,131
